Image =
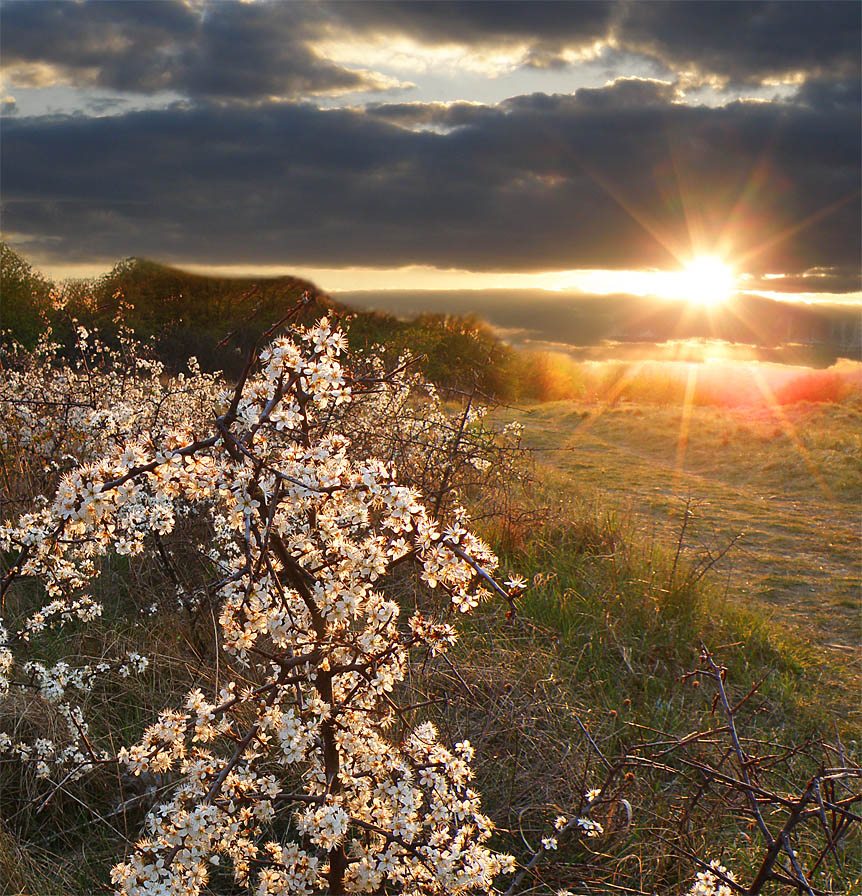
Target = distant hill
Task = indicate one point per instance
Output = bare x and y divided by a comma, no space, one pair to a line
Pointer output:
219,319
810,334
753,319
190,314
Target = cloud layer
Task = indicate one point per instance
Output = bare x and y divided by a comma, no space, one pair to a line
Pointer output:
215,51
255,51
244,170
619,177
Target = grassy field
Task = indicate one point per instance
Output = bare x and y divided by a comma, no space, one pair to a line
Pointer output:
785,483
736,527
593,666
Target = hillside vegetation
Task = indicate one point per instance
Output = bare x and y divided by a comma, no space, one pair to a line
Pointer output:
182,314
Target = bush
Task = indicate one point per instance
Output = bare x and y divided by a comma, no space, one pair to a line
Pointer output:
289,770
26,298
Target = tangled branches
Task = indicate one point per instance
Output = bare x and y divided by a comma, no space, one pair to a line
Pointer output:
804,826
733,779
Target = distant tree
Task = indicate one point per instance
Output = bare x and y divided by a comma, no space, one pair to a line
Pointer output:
219,320
25,296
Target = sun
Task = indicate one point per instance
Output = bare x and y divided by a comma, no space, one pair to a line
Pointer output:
706,280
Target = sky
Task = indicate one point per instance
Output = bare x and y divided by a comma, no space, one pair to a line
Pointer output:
445,145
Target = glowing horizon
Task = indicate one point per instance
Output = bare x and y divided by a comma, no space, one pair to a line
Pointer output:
680,284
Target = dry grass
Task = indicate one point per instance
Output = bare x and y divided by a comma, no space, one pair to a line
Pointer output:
788,481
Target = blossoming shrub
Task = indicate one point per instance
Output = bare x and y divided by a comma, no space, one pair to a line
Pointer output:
57,415
301,773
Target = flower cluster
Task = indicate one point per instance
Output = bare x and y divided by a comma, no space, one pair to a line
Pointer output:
56,416
305,524
711,883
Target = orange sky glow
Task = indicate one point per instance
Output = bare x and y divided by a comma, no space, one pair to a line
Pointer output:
668,284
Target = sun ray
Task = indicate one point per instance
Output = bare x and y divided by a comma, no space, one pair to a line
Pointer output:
685,419
692,211
747,198
790,431
629,374
793,229
661,234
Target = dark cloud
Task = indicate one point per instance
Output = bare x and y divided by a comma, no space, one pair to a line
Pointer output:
619,177
625,93
740,41
831,95
743,42
622,94
545,29
439,22
219,50
747,41
226,50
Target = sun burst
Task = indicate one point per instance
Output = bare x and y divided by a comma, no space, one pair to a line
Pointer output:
706,280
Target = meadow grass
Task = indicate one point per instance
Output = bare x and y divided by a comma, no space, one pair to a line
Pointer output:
611,624
592,668
623,594
786,482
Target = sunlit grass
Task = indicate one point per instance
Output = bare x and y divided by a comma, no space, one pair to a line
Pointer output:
604,636
747,471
